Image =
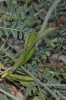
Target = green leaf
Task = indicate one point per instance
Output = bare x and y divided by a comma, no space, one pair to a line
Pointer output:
42,34
20,36
47,53
27,51
30,40
30,22
54,40
6,32
29,54
44,56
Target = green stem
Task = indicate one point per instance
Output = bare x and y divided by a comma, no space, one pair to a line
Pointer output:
55,3
18,62
8,94
41,93
64,97
6,28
